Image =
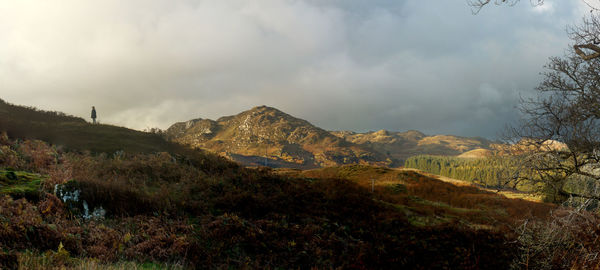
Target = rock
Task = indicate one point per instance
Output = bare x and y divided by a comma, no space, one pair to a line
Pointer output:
70,195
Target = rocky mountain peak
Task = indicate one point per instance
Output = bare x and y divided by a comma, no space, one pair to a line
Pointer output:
414,135
266,131
382,132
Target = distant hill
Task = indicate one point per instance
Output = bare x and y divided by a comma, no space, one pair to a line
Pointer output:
477,153
527,145
264,132
401,145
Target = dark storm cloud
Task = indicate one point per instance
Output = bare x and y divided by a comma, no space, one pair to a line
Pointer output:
353,65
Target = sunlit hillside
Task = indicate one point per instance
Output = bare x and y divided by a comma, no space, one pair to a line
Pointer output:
263,132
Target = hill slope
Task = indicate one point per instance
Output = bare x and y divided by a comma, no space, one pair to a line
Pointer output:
75,133
267,132
160,208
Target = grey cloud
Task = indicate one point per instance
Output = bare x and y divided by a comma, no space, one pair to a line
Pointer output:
354,65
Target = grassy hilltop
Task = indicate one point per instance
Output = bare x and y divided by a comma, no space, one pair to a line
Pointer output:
75,133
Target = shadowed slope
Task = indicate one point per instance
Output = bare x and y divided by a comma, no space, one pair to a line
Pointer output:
75,133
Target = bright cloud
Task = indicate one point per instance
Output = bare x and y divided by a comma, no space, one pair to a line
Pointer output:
352,64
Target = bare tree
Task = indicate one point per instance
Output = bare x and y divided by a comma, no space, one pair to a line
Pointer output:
562,124
587,38
477,5
559,143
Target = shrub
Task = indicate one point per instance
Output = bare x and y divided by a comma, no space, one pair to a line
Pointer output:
568,240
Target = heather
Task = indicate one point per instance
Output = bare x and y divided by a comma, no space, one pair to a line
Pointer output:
172,210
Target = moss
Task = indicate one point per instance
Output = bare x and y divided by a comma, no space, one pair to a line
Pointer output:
398,188
20,184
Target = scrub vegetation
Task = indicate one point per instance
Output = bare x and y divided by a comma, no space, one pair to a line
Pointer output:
67,207
171,211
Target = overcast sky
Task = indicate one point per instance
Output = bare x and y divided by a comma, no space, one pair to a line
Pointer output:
355,65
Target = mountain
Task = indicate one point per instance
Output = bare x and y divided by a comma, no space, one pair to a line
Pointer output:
401,145
267,133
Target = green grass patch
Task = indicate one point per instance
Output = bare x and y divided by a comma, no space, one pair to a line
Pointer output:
443,205
20,184
61,259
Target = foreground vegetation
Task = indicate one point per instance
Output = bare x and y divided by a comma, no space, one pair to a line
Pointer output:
62,206
165,209
543,236
174,212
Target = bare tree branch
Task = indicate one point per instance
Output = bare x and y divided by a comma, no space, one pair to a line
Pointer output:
477,5
566,111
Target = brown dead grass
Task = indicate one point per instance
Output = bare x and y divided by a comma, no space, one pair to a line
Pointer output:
511,194
446,199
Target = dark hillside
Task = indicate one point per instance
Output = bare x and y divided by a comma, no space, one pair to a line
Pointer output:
75,133
71,133
160,208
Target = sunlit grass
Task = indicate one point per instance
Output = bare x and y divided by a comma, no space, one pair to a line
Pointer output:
30,260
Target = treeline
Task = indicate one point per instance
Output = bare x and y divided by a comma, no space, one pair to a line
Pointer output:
489,172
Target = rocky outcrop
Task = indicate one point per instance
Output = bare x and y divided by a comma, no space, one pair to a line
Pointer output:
265,135
272,134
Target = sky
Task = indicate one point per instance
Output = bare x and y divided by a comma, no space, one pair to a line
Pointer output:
353,65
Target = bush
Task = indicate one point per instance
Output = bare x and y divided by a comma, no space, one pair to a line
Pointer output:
570,239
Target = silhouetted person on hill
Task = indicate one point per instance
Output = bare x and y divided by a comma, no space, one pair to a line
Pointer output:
94,114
